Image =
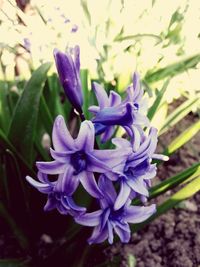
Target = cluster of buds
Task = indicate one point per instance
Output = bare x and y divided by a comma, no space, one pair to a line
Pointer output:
113,177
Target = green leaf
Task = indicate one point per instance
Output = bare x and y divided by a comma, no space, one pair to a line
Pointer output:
173,69
23,125
174,181
178,114
5,144
137,37
86,93
183,138
158,100
4,107
184,193
14,263
45,116
86,10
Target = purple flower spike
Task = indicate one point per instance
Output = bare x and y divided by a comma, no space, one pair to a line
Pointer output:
68,67
107,219
76,160
56,199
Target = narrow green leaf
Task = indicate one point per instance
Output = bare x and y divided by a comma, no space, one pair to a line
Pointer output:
86,95
174,181
5,143
14,263
138,37
178,114
184,193
21,238
86,10
45,116
4,107
173,69
153,109
183,138
23,124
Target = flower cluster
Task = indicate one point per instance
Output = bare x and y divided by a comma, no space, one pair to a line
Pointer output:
114,177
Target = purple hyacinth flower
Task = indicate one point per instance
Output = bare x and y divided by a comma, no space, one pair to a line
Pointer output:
56,199
112,111
105,103
68,67
107,219
77,160
136,174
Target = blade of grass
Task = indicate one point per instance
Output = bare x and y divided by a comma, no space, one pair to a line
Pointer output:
178,114
153,109
183,138
174,181
84,82
4,107
184,193
173,69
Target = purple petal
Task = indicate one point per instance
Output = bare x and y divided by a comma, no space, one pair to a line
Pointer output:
99,235
101,95
62,140
52,167
110,157
43,188
105,217
63,157
107,134
89,183
110,233
136,214
121,143
94,109
89,219
108,190
96,165
50,204
124,235
136,138
151,173
114,98
122,196
68,183
138,186
74,206
85,139
119,115
43,177
148,147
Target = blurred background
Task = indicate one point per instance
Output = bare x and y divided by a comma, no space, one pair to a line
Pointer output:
159,39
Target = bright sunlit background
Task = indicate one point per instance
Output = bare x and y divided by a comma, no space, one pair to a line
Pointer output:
116,37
